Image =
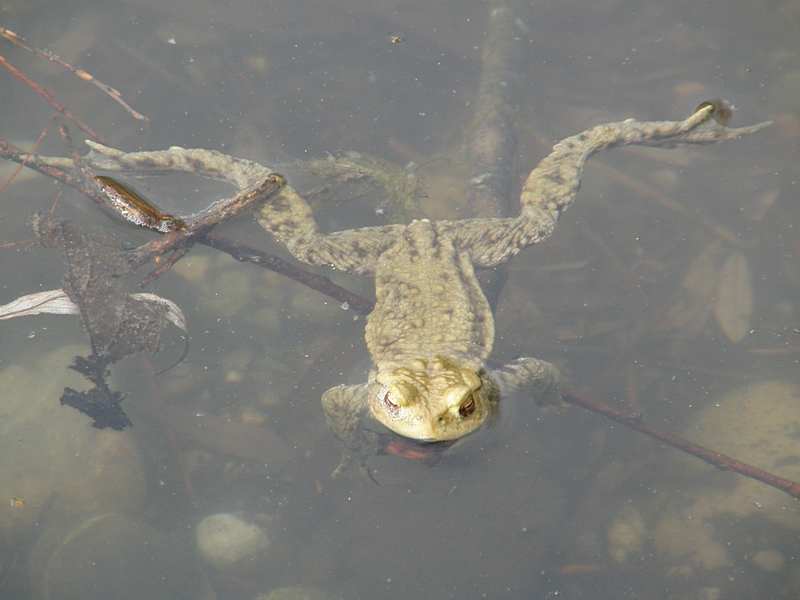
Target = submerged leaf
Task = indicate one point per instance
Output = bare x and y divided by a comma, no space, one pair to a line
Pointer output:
355,175
734,299
119,324
54,302
690,312
57,302
173,313
757,208
701,280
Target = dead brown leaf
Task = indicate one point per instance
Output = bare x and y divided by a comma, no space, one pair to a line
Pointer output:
733,306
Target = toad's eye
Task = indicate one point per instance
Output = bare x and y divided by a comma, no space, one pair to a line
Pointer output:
467,407
386,398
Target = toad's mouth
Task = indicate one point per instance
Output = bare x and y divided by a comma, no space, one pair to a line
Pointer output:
391,443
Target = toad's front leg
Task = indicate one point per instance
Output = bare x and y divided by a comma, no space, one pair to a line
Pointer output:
345,409
529,378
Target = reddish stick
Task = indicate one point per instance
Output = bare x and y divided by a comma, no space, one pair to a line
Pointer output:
721,461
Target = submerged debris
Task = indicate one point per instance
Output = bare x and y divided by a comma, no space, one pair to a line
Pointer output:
718,282
353,176
118,323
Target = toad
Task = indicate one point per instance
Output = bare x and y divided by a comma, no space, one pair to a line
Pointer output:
432,329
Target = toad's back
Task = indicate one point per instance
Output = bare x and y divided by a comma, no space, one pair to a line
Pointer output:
429,302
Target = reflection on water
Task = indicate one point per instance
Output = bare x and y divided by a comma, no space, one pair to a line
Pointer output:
544,505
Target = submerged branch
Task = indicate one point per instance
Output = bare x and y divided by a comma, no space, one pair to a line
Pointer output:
492,142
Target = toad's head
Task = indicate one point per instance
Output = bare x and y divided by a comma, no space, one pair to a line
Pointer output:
431,401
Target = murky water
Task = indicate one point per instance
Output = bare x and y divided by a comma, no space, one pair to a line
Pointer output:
546,505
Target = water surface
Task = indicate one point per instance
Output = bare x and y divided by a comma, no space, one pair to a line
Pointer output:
537,508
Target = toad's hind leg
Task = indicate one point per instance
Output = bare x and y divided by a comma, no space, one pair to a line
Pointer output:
290,219
553,185
286,215
205,163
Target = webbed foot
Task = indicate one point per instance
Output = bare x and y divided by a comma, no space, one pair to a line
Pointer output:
358,455
363,469
531,378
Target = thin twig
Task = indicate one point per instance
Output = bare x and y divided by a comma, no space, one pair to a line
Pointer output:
114,94
77,159
48,95
661,200
32,150
165,266
316,282
11,152
196,229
